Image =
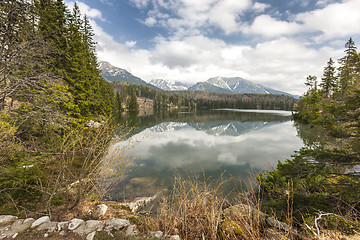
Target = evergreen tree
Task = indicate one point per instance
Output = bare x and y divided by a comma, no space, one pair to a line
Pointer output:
348,67
131,102
328,81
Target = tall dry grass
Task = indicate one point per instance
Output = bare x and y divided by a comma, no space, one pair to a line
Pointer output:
200,210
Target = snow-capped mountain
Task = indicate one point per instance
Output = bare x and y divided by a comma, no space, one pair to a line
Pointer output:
213,128
233,85
168,85
115,74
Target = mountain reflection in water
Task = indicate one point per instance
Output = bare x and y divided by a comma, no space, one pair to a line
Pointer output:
238,142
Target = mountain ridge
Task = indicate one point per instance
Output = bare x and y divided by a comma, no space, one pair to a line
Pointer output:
218,84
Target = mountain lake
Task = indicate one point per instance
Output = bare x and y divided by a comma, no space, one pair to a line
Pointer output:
216,145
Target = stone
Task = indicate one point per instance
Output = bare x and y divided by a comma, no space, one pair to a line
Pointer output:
74,223
62,225
116,224
90,236
7,218
49,226
40,221
157,234
89,227
131,231
174,237
99,211
18,226
138,203
243,210
272,222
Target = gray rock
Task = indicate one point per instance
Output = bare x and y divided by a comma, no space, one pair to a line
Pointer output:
7,218
90,236
74,223
272,222
40,221
49,226
175,237
89,227
131,231
157,234
138,203
62,225
100,211
116,224
18,226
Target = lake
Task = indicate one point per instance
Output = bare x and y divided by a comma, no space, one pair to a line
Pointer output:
218,143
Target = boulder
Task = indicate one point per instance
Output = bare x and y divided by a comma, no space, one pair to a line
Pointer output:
116,224
89,227
40,221
175,237
7,218
18,226
99,211
157,234
49,226
131,231
74,223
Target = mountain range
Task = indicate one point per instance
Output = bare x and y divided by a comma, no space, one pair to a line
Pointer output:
216,84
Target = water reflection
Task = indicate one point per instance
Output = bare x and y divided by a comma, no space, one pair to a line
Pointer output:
206,143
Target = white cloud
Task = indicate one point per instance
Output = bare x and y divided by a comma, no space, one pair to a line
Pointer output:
334,20
91,13
130,44
267,26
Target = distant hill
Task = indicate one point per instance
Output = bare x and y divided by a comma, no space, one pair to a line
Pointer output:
115,74
168,85
233,85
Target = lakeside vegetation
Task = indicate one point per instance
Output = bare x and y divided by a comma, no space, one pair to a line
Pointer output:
321,182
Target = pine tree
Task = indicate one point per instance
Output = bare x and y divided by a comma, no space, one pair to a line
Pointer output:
131,102
328,81
348,68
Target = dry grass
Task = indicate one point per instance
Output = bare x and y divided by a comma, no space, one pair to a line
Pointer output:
199,210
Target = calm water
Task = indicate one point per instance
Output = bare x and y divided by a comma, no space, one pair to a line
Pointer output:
235,143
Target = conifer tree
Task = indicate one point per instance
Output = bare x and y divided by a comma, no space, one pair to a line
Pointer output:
131,102
328,81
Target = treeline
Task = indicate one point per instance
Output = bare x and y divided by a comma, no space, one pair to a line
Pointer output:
50,89
205,100
322,180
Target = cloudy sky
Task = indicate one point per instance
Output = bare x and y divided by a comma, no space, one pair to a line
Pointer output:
274,42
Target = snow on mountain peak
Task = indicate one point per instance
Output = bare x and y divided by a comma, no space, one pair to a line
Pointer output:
168,85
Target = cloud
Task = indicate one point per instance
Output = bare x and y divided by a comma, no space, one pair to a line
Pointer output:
333,21
91,13
268,26
130,44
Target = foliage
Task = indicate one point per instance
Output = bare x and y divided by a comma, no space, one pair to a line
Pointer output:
324,175
50,87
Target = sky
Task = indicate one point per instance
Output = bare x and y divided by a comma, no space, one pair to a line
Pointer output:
274,42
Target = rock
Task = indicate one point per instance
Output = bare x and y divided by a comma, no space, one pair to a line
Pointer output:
139,203
90,236
243,210
116,224
272,222
49,226
175,237
62,225
74,223
93,124
18,226
7,218
100,211
89,227
157,234
40,221
131,231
